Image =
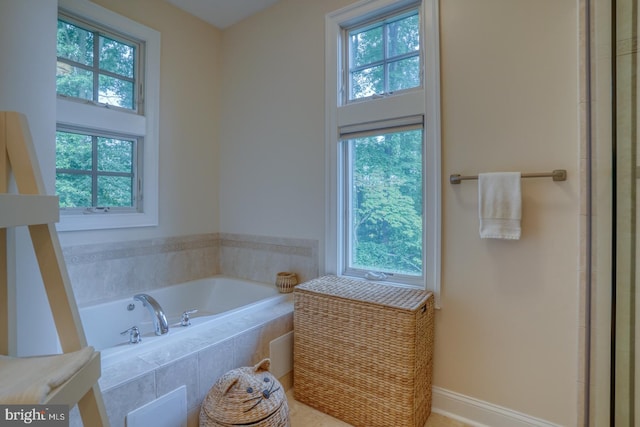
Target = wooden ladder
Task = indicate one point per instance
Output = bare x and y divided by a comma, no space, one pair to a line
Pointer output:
31,207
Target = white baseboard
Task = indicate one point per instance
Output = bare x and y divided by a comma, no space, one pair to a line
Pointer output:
479,413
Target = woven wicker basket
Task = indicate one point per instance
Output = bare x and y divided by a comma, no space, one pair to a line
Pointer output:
285,281
363,352
248,396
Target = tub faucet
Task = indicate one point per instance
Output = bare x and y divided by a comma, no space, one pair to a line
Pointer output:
134,335
159,319
185,320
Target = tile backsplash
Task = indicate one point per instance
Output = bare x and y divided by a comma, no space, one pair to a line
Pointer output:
101,272
260,258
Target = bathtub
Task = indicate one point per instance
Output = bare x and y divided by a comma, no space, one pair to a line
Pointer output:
219,300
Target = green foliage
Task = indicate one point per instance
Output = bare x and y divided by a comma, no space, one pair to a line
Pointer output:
73,151
73,190
114,91
74,43
116,57
115,191
404,74
403,36
371,60
115,155
386,228
77,64
76,171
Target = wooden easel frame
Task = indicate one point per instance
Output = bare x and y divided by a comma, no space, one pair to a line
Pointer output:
31,207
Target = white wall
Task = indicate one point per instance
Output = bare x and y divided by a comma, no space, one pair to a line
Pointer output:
27,85
189,116
507,330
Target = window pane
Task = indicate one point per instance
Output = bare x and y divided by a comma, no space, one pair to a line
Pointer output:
112,68
115,191
74,81
385,223
116,92
73,190
73,151
403,36
116,57
115,155
111,175
404,74
384,55
367,82
74,43
366,47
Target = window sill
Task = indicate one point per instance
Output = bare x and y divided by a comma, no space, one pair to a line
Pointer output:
105,221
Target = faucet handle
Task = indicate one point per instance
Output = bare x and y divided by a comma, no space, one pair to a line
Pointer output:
134,334
185,321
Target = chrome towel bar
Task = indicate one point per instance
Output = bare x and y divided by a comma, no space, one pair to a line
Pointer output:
557,175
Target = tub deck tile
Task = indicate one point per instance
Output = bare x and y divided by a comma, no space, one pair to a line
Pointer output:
118,374
124,369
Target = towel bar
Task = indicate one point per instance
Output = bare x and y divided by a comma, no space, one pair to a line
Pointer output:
557,175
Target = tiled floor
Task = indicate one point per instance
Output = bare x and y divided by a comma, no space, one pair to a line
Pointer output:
302,415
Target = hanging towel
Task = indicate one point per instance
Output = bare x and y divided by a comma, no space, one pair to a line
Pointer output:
500,205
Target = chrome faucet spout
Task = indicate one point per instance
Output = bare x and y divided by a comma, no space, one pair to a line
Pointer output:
159,319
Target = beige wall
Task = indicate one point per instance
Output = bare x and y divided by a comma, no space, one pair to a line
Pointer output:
189,116
272,122
507,331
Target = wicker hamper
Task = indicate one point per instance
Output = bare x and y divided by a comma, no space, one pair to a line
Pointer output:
363,352
248,396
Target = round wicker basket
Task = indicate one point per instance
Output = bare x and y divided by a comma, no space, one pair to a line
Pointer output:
248,396
285,281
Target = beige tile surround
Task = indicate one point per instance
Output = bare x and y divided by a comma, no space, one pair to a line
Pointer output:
107,271
104,272
261,258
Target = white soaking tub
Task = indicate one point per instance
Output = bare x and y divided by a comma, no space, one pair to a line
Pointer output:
218,300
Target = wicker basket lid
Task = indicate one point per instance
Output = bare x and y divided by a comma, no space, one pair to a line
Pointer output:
244,396
400,298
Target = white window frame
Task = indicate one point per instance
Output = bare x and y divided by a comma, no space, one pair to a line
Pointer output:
378,20
90,116
339,114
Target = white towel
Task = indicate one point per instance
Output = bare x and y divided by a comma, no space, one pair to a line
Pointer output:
29,380
500,205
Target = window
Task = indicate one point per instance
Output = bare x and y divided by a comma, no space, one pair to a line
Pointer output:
383,196
384,55
383,139
106,142
96,65
96,173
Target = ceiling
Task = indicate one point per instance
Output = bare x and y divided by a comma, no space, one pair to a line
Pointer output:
222,13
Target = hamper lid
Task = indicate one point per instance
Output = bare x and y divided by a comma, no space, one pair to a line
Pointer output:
361,290
244,396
